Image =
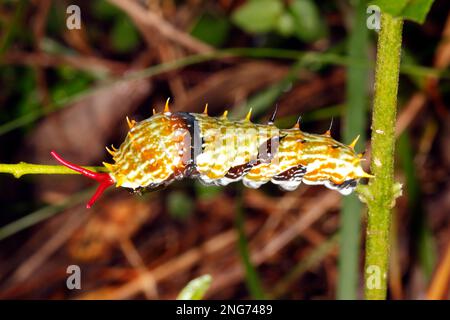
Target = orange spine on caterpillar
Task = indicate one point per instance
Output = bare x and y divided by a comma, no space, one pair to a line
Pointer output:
174,145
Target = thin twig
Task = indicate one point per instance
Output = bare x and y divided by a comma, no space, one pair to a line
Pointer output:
42,214
76,218
22,168
89,64
441,280
148,283
259,53
152,20
310,214
173,266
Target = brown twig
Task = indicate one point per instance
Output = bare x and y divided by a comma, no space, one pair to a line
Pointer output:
39,23
30,265
440,284
148,283
310,214
166,51
173,266
155,22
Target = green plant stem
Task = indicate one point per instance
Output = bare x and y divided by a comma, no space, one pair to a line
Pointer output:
380,194
354,119
318,254
265,99
22,168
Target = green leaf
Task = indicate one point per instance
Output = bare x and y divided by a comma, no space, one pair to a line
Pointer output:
394,8
124,36
417,10
309,25
258,16
70,82
195,289
105,10
179,205
265,99
414,10
286,24
211,29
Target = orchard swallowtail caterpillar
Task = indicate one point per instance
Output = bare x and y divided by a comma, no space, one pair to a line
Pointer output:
171,146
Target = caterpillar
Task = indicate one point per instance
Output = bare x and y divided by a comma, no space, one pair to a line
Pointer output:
171,146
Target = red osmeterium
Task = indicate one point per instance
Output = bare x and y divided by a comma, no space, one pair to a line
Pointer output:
104,179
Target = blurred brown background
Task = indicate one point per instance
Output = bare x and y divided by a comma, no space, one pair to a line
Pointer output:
70,90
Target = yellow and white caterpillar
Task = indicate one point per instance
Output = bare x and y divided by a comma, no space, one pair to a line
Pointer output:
174,145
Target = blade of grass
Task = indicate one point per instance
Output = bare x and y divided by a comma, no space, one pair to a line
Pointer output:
252,279
149,72
313,115
257,53
422,243
315,257
43,214
354,124
265,99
